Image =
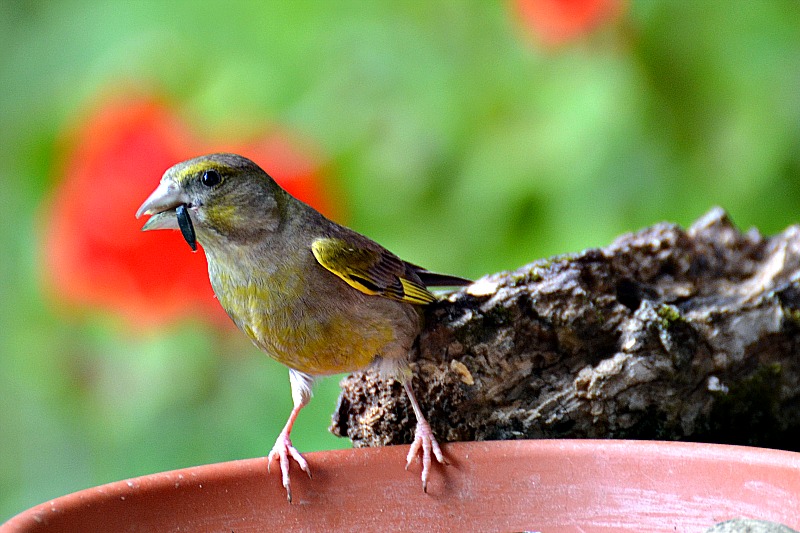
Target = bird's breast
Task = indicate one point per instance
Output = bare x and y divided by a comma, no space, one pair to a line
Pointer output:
302,325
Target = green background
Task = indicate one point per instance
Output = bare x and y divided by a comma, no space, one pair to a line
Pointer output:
460,143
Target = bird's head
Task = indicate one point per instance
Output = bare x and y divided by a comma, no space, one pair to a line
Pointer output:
227,198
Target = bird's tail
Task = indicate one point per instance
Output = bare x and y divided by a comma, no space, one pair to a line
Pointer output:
433,279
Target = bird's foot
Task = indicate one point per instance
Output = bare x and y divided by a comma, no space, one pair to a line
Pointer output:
283,449
425,442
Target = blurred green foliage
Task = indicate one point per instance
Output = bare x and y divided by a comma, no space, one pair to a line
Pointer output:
460,143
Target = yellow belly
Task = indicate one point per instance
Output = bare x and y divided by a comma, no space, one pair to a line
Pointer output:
304,337
317,348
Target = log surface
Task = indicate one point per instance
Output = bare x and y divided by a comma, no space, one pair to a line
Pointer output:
665,334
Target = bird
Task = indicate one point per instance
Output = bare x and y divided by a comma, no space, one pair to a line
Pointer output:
312,294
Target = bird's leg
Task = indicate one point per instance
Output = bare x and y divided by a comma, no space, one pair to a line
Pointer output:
423,439
283,449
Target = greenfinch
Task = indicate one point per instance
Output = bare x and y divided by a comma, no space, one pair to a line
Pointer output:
312,294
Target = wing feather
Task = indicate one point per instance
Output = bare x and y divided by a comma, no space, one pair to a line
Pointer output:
371,269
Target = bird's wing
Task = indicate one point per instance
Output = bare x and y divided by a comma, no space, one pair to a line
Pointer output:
370,269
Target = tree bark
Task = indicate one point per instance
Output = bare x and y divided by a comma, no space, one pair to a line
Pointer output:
665,334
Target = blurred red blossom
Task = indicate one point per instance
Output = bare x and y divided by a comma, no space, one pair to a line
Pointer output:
557,22
95,256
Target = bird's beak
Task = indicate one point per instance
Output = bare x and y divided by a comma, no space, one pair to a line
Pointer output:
161,204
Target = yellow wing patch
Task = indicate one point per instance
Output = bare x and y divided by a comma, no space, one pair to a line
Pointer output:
375,272
416,293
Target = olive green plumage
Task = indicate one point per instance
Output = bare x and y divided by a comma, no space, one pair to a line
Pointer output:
314,295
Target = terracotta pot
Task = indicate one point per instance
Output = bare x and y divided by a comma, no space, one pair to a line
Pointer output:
542,485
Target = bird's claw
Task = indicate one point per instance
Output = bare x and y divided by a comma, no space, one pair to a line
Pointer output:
425,441
283,449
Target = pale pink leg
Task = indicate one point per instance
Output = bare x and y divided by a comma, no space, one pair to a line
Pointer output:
423,440
283,449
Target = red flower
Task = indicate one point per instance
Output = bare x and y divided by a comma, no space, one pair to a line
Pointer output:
556,22
95,256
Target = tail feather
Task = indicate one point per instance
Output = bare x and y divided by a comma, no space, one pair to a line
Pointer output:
433,279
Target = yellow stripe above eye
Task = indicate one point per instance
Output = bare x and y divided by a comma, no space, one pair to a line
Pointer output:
193,170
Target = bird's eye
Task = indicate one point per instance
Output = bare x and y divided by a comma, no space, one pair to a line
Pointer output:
210,178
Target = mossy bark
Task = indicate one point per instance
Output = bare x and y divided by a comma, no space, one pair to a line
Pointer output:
665,334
